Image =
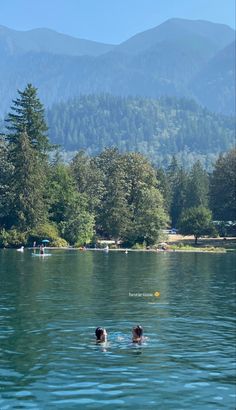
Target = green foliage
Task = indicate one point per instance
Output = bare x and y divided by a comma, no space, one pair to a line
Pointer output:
139,246
44,231
27,157
59,243
12,238
149,217
185,189
27,185
61,190
88,178
69,207
78,230
115,195
198,187
3,238
27,116
177,179
113,211
131,207
156,128
222,187
5,176
196,221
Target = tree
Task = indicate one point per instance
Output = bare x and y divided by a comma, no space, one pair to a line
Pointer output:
68,207
62,191
222,187
113,213
197,187
27,183
178,179
145,201
28,116
27,156
150,217
196,221
5,191
78,225
88,178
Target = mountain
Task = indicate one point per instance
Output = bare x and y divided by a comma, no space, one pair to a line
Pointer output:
43,40
157,128
217,78
178,58
197,33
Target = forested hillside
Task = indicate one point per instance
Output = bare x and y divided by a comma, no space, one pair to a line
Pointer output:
156,128
216,78
113,195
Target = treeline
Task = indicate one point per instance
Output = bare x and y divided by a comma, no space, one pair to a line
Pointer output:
156,128
111,195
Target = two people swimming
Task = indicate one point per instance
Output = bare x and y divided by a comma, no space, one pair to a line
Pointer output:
137,334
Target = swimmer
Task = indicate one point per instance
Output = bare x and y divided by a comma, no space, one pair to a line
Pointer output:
101,335
137,334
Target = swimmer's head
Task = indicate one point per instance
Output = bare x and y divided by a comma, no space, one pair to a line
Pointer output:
137,333
101,334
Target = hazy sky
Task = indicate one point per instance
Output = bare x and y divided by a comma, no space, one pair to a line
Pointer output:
110,21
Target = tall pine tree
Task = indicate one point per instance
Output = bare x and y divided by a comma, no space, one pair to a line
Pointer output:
28,116
222,187
28,148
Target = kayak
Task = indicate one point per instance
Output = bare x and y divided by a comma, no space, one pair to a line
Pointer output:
41,254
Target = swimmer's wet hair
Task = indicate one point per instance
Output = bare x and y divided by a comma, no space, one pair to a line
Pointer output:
138,330
99,332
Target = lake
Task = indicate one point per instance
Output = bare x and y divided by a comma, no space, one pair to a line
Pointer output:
50,307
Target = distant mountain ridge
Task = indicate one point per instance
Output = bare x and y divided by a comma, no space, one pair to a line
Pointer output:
43,40
218,35
180,58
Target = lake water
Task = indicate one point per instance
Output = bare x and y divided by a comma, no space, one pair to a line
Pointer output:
50,307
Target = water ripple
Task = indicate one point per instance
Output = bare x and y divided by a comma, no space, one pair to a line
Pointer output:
48,355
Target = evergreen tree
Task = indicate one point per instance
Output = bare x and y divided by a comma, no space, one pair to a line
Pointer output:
222,187
5,190
197,187
88,178
177,178
62,191
27,155
113,216
27,207
28,116
164,187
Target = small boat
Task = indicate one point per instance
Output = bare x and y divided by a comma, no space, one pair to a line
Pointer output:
41,254
21,249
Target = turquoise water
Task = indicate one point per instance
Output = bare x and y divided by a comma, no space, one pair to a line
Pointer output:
50,307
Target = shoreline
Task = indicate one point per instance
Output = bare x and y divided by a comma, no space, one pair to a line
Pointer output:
172,243
128,250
